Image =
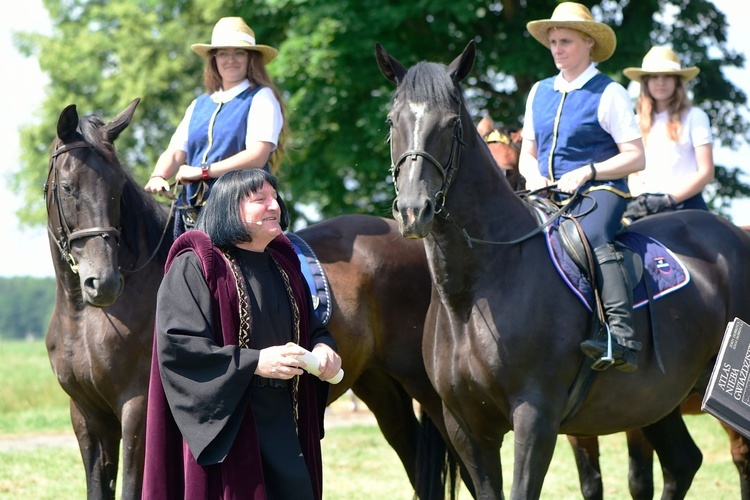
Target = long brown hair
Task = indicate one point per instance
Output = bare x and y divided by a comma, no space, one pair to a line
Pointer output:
258,76
677,106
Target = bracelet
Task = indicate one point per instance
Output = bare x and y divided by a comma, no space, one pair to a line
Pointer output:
670,200
593,172
159,176
204,171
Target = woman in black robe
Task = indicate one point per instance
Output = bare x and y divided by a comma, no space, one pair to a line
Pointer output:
231,412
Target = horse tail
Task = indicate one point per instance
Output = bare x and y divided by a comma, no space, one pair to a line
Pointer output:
437,467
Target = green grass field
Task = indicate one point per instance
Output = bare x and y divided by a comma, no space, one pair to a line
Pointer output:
357,462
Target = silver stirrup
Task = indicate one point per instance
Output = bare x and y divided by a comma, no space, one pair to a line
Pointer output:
606,360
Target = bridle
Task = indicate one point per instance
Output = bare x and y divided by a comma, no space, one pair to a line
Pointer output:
447,171
65,237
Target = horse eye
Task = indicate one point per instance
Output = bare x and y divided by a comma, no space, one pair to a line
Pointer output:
66,188
389,121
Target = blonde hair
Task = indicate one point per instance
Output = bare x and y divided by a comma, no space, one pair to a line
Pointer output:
258,75
677,106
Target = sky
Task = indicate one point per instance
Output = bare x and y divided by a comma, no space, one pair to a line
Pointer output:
25,252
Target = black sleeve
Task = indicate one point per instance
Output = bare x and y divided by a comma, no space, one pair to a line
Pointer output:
207,386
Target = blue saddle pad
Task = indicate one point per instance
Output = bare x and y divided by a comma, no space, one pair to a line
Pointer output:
663,270
315,277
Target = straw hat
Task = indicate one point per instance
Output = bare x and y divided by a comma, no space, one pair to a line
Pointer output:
577,17
661,61
232,32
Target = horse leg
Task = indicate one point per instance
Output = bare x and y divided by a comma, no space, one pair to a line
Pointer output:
641,469
535,440
99,447
393,408
740,448
739,445
480,458
586,454
679,456
133,447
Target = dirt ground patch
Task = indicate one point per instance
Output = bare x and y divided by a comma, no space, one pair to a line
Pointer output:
346,410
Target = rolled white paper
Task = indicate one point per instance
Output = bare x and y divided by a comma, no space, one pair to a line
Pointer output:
313,367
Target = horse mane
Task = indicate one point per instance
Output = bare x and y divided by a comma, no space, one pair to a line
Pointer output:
429,82
139,209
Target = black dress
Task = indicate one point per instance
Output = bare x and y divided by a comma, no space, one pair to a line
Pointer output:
208,386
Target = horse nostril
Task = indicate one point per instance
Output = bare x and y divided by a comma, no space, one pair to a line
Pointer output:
91,283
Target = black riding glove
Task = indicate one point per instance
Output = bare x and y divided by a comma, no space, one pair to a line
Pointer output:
647,204
658,202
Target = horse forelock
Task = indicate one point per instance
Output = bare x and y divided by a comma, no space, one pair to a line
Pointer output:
92,129
429,82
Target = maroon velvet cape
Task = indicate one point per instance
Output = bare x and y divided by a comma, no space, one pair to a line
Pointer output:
170,471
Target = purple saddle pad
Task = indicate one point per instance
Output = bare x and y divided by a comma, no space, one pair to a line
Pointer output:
663,272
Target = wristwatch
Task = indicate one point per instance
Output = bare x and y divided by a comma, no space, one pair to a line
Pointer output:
204,171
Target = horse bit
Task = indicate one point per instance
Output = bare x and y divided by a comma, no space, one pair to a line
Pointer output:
66,236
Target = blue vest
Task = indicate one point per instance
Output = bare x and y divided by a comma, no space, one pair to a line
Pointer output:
217,131
578,139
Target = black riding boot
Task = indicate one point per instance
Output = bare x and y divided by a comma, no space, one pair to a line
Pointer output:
613,283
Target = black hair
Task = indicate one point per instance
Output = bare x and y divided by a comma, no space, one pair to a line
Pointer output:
220,217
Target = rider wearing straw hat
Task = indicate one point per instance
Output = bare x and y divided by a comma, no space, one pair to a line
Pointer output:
676,135
580,132
237,124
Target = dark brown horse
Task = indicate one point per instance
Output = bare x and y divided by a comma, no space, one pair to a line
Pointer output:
502,335
504,145
109,241
101,225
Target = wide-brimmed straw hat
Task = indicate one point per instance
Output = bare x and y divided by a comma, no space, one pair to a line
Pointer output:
233,32
577,17
661,61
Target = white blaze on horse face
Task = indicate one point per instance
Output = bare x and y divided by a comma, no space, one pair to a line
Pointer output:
419,110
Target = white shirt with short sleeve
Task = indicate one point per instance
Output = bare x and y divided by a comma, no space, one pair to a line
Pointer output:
667,160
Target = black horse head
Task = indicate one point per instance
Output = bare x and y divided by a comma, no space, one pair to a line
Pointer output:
83,192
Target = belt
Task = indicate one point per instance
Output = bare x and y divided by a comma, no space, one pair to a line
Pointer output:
269,382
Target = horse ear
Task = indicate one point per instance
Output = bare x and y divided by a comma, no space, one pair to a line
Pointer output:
121,121
461,66
68,123
393,70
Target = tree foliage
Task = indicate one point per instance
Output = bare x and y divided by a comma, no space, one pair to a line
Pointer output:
26,306
102,54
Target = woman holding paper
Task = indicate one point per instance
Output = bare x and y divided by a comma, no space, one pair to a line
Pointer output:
231,413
